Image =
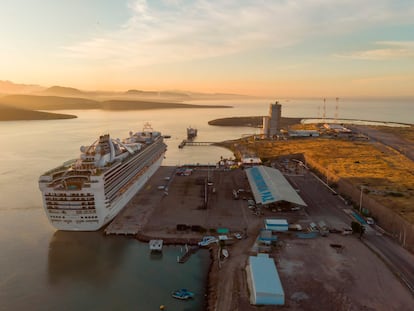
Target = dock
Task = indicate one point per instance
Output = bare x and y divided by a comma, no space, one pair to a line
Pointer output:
122,228
186,142
155,245
187,254
135,215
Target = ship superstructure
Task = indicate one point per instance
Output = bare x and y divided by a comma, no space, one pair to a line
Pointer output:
87,193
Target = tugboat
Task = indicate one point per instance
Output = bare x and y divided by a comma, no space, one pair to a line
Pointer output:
182,294
191,132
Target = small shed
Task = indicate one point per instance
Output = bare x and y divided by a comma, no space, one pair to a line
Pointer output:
266,287
276,224
223,230
155,245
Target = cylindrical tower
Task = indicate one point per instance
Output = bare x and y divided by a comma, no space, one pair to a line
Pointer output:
275,113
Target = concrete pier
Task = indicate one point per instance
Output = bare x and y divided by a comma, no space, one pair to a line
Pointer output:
156,211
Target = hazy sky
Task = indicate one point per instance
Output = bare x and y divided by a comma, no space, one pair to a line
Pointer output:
278,48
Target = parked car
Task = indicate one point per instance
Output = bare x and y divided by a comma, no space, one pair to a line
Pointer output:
238,236
207,240
370,221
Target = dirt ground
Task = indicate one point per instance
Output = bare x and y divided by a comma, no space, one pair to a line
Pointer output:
317,276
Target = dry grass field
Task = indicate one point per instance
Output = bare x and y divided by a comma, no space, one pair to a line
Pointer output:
387,175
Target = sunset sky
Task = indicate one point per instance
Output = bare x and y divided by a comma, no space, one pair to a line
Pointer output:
269,48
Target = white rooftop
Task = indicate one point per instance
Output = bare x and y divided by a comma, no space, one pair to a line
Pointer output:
266,282
155,245
276,222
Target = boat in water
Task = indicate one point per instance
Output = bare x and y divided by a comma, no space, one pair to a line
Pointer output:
182,294
191,132
85,194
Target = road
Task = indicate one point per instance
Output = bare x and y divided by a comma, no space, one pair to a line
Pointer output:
324,204
399,260
389,139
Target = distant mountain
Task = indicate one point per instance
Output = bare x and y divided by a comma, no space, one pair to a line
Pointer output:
159,94
15,114
8,87
63,91
139,92
145,105
49,102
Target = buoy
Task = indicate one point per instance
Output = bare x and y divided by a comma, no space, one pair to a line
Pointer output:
162,307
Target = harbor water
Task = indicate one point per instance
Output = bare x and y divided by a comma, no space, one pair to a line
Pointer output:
42,269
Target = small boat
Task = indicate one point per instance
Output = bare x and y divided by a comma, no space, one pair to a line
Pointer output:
225,253
182,294
191,132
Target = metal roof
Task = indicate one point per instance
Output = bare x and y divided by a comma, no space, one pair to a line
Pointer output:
269,185
264,275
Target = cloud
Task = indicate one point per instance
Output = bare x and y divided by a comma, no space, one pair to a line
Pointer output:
179,30
392,50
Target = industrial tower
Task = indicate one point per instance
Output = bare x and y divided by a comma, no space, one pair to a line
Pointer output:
271,123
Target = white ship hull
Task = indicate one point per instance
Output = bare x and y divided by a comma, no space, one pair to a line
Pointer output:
131,192
98,200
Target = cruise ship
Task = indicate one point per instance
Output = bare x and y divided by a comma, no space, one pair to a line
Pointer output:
85,194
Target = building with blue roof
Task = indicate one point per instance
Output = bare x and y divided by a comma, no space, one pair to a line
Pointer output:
266,288
269,185
276,224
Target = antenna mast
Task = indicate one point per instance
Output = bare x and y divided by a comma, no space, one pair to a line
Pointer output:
336,109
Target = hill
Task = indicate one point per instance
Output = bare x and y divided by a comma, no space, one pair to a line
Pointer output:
63,91
14,114
8,87
144,105
251,121
161,94
34,102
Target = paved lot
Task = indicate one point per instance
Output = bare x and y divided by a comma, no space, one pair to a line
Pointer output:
185,203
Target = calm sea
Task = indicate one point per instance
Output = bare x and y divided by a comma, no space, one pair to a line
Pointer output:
41,269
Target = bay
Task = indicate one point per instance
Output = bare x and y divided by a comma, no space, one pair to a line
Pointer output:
42,269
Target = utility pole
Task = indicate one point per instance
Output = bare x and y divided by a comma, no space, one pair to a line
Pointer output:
336,109
360,199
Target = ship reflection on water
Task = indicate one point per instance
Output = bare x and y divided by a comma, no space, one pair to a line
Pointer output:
94,271
84,256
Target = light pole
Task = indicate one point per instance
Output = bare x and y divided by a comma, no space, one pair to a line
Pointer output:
360,199
327,177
